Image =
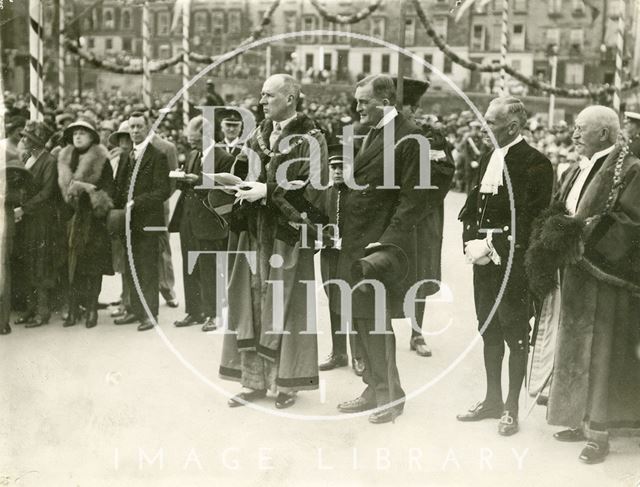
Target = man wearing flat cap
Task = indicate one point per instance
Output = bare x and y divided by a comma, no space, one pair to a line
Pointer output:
632,131
375,243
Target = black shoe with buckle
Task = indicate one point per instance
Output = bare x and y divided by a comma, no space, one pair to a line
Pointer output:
418,345
356,405
570,435
334,361
508,424
358,366
189,320
594,452
284,400
385,416
244,397
479,411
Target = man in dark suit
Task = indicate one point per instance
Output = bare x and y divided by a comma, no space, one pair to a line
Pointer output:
200,230
150,189
374,241
489,238
632,131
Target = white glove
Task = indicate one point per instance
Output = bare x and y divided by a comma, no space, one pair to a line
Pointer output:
477,252
251,191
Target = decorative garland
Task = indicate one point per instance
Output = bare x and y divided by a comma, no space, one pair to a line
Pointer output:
346,19
492,68
156,66
270,153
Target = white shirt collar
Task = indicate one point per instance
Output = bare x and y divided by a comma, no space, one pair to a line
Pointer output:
231,143
286,122
506,148
588,163
139,148
390,115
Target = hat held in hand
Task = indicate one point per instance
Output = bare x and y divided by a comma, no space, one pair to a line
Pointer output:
386,263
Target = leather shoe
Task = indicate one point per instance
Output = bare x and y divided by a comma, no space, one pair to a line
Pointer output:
478,412
126,319
5,330
418,345
37,321
172,303
508,424
358,366
386,416
334,361
189,320
284,400
118,312
594,452
210,324
24,319
92,319
570,435
145,325
245,397
356,405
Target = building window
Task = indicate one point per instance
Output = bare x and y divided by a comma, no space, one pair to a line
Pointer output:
327,61
440,26
518,38
574,74
386,67
164,22
235,22
478,38
164,51
410,32
308,61
325,25
201,22
448,65
108,43
309,23
516,64
366,63
576,38
480,7
343,39
126,19
126,44
108,18
520,5
578,6
555,6
91,42
428,59
290,22
217,24
553,36
496,38
377,27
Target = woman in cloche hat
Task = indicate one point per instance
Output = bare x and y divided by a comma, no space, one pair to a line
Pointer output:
38,216
85,178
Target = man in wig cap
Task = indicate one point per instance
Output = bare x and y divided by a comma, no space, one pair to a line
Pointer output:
592,235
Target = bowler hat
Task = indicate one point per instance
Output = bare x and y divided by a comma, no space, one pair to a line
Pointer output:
37,132
387,263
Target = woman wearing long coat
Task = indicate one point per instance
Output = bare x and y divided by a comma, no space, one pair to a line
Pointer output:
38,216
85,178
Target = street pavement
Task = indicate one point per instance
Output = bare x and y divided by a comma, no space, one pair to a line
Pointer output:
114,406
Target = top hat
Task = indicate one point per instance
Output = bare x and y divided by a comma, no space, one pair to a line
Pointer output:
37,132
82,122
412,90
122,130
387,263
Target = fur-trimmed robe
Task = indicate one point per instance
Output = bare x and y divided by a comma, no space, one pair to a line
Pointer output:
596,373
89,241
